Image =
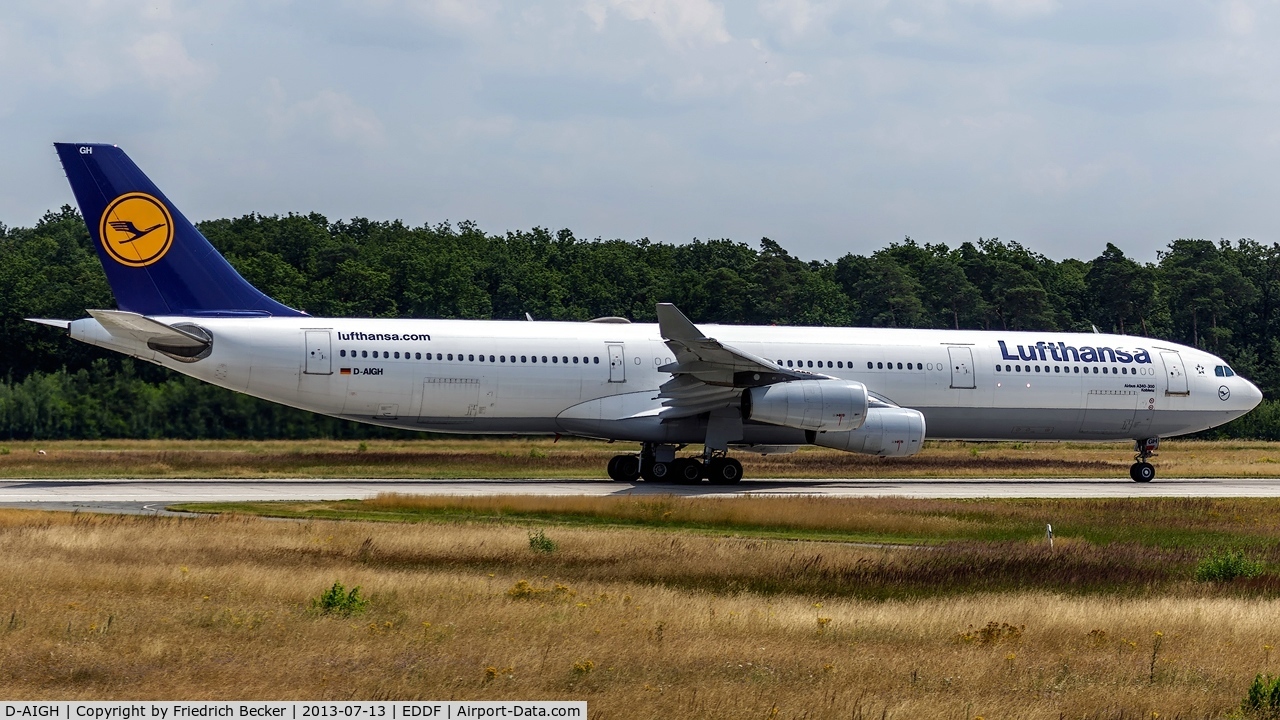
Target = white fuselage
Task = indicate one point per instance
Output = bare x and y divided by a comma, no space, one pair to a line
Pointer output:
601,379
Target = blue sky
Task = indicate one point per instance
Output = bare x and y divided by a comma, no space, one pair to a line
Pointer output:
831,127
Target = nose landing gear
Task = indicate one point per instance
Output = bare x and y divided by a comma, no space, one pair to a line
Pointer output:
1141,470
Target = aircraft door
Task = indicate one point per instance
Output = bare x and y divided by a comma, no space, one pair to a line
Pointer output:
1174,374
318,353
962,367
617,368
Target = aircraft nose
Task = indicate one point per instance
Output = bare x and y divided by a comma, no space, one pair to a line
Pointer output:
1252,395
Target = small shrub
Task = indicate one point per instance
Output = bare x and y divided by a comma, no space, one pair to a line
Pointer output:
524,590
338,601
539,542
4,451
1263,698
583,667
992,633
362,447
1227,565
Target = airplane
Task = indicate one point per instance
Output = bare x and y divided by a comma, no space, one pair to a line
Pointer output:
665,386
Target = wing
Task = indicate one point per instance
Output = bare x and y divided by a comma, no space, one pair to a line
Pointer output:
708,375
124,226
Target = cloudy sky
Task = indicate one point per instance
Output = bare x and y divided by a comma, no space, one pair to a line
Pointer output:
829,126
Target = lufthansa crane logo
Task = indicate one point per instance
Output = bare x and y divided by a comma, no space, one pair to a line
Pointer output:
136,229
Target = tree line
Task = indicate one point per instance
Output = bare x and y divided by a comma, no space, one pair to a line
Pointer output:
1221,296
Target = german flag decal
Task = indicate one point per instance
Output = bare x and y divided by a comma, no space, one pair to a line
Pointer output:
344,371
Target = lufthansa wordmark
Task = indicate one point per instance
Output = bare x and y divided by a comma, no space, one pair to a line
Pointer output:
136,229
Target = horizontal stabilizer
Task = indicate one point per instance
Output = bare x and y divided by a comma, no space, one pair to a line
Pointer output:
64,324
133,326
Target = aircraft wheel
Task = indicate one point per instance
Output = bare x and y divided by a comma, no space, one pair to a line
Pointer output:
1142,472
658,472
687,471
725,471
624,468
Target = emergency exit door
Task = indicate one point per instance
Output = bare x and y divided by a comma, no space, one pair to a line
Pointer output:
617,368
962,367
317,344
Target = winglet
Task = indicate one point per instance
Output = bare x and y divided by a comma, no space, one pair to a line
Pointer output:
674,325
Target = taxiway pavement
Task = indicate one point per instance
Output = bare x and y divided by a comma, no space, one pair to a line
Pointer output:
145,496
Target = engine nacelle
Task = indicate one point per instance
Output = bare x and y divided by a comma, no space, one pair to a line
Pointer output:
887,432
808,404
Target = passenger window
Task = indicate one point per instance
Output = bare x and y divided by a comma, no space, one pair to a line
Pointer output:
1017,368
788,363
997,368
1077,370
1006,368
868,365
596,360
544,358
418,356
555,359
364,353
397,354
899,366
1057,368
575,359
879,366
839,363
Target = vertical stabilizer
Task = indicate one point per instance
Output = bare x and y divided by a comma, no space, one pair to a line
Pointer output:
156,261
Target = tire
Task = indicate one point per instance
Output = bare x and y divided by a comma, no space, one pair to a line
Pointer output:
612,468
626,467
658,472
687,471
725,471
1143,472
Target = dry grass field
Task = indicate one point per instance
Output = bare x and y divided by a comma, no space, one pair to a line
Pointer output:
435,457
641,623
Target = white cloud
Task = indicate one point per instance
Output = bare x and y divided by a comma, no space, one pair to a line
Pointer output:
1017,8
328,114
1239,17
682,23
162,59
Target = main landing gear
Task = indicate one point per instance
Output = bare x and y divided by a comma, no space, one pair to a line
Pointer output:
658,464
1141,470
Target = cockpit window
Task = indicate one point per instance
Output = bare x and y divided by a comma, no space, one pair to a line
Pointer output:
1223,371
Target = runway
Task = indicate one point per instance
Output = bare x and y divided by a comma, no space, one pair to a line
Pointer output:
146,496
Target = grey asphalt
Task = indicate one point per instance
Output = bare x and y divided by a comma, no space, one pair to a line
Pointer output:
151,496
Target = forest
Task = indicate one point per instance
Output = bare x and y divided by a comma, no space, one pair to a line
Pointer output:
1221,296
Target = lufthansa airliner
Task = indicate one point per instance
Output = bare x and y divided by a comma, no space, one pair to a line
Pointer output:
665,386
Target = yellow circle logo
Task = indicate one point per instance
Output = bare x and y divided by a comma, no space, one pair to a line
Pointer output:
136,229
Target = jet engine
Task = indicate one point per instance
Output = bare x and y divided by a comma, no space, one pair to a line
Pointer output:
823,405
887,432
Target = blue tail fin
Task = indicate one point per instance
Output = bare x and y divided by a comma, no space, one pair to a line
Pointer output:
156,260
